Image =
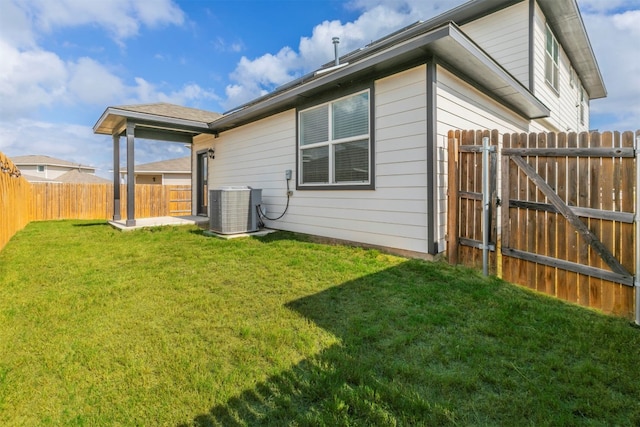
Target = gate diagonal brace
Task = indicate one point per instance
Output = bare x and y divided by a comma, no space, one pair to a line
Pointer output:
573,219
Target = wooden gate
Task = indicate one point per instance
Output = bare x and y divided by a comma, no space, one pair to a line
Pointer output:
179,200
465,210
567,211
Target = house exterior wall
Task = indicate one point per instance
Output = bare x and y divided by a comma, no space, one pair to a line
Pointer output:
505,36
393,215
149,179
176,179
50,171
564,103
460,106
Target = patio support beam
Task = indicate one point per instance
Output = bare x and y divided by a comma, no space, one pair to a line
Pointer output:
116,177
131,179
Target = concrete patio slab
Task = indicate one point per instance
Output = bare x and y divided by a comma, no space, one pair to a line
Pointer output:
259,233
160,221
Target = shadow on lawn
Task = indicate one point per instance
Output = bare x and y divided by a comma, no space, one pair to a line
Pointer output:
92,224
344,383
375,375
422,344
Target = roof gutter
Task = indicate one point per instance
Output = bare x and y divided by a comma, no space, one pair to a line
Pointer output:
566,21
447,42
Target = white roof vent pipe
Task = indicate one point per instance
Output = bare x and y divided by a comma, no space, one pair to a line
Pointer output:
337,63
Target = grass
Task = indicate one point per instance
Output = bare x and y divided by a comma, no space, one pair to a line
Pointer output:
170,327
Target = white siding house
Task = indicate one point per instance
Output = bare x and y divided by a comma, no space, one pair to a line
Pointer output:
40,168
163,172
366,141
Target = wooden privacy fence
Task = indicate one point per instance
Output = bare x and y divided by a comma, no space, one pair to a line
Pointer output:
22,202
15,200
562,213
52,201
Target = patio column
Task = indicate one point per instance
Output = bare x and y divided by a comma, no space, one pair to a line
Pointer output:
116,177
131,179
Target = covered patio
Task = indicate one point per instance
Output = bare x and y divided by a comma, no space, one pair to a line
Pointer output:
158,122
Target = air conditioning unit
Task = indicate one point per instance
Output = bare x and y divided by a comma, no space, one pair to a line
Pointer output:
232,210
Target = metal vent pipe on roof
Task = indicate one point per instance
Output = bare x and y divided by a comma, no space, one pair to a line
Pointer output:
336,40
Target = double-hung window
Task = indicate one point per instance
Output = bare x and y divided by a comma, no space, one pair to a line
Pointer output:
334,143
551,60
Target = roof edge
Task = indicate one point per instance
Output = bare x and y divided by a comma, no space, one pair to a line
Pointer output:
422,43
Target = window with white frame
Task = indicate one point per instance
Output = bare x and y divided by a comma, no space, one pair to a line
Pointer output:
551,61
40,168
334,143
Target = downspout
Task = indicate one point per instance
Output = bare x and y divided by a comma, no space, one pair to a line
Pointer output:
637,227
432,153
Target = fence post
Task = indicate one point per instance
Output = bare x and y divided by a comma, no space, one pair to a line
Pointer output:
452,208
637,224
486,204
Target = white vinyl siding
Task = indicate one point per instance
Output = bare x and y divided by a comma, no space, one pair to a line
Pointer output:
393,215
462,107
505,36
564,102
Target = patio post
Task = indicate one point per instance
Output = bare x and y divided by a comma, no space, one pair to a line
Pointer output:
131,179
116,177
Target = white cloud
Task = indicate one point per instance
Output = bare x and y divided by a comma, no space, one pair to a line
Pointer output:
29,79
222,45
62,140
32,78
146,92
607,6
78,144
92,83
15,24
255,77
120,18
615,40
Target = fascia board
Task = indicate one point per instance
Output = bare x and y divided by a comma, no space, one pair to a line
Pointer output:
446,42
151,120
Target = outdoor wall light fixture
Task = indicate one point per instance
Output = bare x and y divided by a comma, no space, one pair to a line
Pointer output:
211,152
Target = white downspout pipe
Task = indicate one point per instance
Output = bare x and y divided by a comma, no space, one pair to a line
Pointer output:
637,236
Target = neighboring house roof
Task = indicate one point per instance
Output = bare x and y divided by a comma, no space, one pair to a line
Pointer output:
32,178
77,177
33,160
73,176
179,165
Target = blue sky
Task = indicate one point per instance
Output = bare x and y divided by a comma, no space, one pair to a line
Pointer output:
64,61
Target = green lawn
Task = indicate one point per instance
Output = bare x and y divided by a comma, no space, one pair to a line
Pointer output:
170,327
